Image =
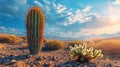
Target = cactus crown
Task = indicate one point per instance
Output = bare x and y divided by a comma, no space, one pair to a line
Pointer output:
83,52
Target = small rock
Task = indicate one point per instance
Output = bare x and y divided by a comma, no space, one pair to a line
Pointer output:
2,56
98,62
115,62
52,64
68,65
46,65
13,61
49,58
38,59
6,60
41,63
36,63
29,56
54,58
44,57
33,65
117,65
109,65
82,65
92,65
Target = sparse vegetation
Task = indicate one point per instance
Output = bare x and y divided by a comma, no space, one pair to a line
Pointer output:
15,55
53,45
80,53
74,42
5,38
23,37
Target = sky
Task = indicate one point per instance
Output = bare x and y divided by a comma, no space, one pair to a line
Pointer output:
64,18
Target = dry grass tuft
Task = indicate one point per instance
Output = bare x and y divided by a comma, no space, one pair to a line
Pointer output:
74,42
53,45
6,38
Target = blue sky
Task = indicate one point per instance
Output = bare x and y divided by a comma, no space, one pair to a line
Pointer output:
64,18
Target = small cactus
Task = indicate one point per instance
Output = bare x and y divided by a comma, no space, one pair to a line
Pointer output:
82,54
35,29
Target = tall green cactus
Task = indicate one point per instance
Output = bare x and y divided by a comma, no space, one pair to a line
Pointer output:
35,29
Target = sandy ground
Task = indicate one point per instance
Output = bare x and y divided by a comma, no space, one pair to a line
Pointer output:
18,56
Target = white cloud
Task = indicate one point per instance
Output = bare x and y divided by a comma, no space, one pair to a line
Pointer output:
2,28
111,29
87,9
59,8
80,16
100,25
69,13
117,2
66,34
47,2
16,8
48,9
10,30
38,3
24,2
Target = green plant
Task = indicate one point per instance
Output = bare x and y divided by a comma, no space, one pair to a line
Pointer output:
81,54
35,29
53,45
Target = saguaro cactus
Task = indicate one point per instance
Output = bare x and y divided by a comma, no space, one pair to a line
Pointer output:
35,29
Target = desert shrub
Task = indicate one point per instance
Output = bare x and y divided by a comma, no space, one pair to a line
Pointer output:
73,43
77,42
5,38
23,37
53,45
81,54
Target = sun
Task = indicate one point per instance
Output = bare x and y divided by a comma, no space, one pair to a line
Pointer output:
114,13
114,18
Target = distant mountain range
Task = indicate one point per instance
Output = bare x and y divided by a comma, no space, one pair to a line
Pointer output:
59,38
80,38
92,37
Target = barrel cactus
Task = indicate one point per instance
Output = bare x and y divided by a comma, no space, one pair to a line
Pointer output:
35,29
82,54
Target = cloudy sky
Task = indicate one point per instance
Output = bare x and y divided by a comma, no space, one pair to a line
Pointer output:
64,18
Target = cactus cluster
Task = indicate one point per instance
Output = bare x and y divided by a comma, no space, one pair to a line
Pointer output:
35,29
82,54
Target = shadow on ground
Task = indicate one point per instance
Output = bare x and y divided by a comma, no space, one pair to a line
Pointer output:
10,59
76,64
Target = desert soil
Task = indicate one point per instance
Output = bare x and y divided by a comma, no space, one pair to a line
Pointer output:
18,56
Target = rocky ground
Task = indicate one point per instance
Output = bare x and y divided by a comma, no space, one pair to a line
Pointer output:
18,56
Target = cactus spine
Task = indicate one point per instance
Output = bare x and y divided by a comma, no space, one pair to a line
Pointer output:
35,29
